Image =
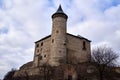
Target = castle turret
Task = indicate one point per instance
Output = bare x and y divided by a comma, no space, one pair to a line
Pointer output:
58,37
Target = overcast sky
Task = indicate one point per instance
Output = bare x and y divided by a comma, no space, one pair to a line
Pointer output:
22,22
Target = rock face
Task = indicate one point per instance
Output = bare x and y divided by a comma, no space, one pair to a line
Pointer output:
57,54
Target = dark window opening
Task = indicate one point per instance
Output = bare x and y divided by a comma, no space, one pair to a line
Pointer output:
37,45
64,43
37,50
42,44
52,40
44,55
84,45
57,31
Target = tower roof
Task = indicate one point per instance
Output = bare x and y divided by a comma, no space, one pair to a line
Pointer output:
59,12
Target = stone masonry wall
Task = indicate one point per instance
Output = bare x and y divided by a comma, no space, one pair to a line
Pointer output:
58,38
42,51
75,49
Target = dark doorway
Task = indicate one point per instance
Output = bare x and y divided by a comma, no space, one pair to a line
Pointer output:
69,77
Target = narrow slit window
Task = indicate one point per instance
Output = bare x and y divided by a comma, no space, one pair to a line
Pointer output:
42,44
52,40
84,45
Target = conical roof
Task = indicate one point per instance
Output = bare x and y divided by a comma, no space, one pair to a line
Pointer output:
59,11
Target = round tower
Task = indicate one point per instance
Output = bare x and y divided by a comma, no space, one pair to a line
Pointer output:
58,37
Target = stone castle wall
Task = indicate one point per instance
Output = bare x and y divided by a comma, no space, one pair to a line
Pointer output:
58,38
75,49
42,51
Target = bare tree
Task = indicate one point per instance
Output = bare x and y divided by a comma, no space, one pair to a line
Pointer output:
45,70
103,57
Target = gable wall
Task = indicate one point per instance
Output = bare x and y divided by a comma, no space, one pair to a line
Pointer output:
75,49
42,52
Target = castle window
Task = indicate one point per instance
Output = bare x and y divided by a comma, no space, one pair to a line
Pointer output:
37,50
42,44
44,55
64,43
84,45
37,45
57,31
52,40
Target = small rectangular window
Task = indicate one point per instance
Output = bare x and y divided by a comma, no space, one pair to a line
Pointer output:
37,45
57,31
37,50
52,40
44,55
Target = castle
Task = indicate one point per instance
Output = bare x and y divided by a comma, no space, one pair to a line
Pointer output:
58,48
60,45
